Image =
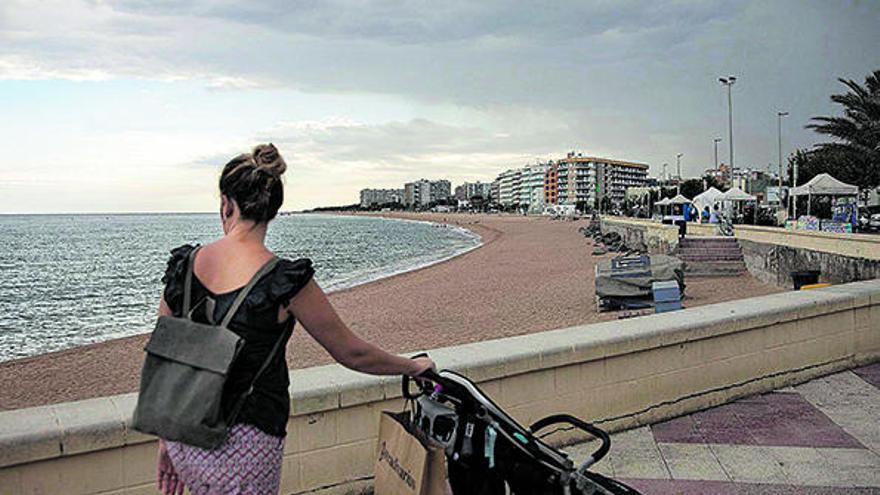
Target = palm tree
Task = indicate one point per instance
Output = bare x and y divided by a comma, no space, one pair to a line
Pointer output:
856,145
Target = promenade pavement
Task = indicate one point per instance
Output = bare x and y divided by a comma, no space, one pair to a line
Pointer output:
820,437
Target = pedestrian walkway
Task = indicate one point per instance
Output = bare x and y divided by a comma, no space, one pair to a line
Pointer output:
820,437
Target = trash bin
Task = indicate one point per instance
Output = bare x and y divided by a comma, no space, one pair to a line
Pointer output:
804,277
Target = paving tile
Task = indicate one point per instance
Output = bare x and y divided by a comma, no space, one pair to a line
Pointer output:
850,457
850,402
678,430
791,455
812,474
746,463
870,374
686,487
630,466
637,437
692,462
635,454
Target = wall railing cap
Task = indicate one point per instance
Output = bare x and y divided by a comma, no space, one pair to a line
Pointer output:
46,432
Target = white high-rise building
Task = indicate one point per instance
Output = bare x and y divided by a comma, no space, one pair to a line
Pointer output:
509,183
531,192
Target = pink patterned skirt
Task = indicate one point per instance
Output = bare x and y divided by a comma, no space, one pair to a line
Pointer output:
248,462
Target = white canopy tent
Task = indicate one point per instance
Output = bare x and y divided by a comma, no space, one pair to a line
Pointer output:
823,185
706,198
733,195
662,205
679,200
827,185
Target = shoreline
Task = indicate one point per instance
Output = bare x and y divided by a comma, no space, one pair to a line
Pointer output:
419,266
329,289
529,275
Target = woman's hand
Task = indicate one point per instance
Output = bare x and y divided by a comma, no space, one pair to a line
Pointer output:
420,365
169,483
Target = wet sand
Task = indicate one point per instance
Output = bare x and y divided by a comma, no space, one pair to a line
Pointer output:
531,275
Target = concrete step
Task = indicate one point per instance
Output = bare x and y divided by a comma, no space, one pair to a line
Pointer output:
709,250
687,243
690,258
708,238
715,266
709,273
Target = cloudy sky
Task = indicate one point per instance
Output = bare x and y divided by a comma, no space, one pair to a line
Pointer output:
135,105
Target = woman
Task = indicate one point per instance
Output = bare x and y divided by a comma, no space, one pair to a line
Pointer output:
249,461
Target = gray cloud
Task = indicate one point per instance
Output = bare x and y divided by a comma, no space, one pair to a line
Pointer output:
632,79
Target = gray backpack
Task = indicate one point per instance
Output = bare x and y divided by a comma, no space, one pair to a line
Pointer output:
185,370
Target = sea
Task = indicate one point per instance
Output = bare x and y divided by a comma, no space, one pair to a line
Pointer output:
69,280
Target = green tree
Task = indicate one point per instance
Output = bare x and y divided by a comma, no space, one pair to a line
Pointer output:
691,188
854,154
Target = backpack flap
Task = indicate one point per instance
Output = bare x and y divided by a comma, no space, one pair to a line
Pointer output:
202,346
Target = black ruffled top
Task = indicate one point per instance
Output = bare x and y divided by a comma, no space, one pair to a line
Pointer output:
256,321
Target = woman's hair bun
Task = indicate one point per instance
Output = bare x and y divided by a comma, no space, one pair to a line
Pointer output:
268,159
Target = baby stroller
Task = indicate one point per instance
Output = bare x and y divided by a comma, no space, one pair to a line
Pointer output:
489,453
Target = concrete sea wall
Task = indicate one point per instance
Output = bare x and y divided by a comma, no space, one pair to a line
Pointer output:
620,374
644,235
771,254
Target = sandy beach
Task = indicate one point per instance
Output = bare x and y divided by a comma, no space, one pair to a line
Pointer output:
530,275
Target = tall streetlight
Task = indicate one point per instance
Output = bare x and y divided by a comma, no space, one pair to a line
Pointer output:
779,116
678,172
728,81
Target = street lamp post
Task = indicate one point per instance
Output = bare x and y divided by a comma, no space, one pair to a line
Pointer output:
728,81
678,172
779,116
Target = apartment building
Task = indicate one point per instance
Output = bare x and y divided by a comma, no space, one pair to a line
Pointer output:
509,183
371,197
474,189
551,184
591,180
531,192
423,192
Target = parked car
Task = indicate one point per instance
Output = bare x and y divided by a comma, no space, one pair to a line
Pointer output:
874,222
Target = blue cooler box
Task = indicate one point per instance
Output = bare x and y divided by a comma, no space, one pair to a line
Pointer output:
667,296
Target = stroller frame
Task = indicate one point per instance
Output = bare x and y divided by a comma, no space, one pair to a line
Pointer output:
449,408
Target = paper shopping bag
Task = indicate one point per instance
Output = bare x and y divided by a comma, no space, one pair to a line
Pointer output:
407,463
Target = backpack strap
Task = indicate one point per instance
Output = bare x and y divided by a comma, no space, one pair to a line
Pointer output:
266,268
187,284
241,400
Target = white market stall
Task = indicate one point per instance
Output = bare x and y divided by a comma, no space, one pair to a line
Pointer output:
733,200
706,199
827,185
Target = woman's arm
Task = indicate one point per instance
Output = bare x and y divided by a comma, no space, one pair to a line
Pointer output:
314,311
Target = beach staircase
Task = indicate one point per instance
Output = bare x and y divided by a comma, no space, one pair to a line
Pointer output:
713,256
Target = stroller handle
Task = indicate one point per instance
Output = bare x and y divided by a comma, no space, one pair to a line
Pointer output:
582,425
428,374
